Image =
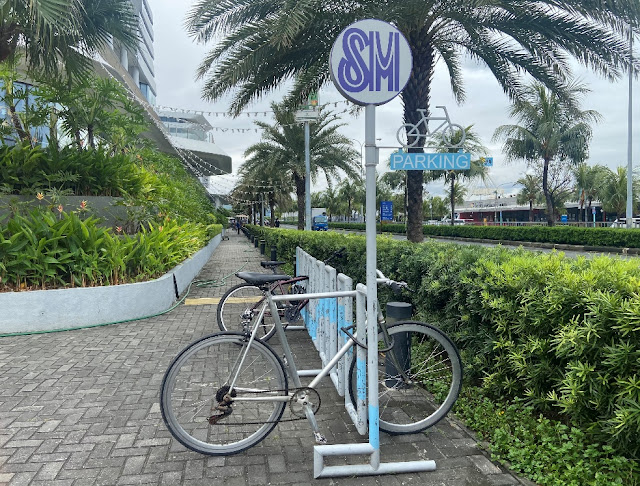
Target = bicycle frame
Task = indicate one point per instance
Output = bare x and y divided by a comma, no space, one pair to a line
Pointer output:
424,119
271,302
280,286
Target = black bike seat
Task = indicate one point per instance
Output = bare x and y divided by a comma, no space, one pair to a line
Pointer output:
256,278
271,264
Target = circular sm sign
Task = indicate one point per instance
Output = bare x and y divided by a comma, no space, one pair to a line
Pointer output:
370,62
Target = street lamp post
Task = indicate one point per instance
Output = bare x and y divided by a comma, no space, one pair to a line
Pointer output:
629,144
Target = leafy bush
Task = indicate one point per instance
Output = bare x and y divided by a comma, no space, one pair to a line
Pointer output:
43,250
547,451
27,170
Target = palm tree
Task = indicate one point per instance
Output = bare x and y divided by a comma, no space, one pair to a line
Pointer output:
328,199
471,144
614,191
282,150
262,44
552,132
530,193
349,191
455,193
587,187
271,185
55,33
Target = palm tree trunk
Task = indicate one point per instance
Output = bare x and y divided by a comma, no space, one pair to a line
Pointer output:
530,211
17,124
300,194
416,95
272,209
551,217
453,197
90,137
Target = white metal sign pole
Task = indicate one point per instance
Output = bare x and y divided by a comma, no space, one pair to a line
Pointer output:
370,64
307,182
372,285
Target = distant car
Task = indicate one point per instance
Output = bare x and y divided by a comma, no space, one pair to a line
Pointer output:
622,223
456,221
320,223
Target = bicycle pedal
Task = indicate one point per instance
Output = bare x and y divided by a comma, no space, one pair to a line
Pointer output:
320,439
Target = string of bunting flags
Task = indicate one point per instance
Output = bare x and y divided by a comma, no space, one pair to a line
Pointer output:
249,114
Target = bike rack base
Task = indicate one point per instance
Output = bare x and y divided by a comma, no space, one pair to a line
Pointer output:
374,468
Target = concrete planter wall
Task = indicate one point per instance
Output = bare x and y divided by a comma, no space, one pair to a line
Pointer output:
45,310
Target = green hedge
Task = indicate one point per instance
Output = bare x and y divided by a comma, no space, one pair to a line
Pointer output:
568,235
561,333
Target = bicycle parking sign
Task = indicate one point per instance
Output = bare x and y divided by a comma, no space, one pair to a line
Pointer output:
370,62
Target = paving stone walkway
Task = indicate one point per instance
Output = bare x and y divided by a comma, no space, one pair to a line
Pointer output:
81,408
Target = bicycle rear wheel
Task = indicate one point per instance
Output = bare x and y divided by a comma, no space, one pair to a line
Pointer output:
243,303
195,385
432,364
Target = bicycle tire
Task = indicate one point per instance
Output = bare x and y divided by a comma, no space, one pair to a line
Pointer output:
410,408
196,379
244,301
402,135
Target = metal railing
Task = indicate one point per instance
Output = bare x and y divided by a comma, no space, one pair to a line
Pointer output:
324,318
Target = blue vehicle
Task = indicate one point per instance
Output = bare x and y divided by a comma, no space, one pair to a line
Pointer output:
320,223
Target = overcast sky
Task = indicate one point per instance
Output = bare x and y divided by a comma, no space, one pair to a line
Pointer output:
486,107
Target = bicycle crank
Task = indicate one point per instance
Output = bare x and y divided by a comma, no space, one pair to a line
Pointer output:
304,397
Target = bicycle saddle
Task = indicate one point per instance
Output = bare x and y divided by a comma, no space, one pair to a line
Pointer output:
256,278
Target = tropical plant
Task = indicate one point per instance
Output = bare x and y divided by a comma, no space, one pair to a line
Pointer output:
269,185
434,207
553,132
24,111
472,144
283,150
588,183
330,200
95,107
350,191
613,191
55,34
259,45
530,193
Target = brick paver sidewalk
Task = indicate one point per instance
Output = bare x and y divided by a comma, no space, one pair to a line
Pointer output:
81,408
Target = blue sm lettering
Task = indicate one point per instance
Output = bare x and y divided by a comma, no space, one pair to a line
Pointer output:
355,73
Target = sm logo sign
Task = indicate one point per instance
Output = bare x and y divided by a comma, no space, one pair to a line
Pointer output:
370,62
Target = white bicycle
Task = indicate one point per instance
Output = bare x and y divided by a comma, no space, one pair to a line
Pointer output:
409,134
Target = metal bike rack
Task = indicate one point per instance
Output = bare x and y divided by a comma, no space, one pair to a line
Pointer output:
324,319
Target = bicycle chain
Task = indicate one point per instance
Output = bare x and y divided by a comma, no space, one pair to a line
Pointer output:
226,410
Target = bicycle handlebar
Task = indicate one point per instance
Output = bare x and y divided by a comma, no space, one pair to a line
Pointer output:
396,287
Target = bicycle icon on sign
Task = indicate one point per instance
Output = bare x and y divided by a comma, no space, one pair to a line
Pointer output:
410,132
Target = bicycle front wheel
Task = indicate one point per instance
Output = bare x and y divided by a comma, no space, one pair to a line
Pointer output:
199,409
424,393
241,304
